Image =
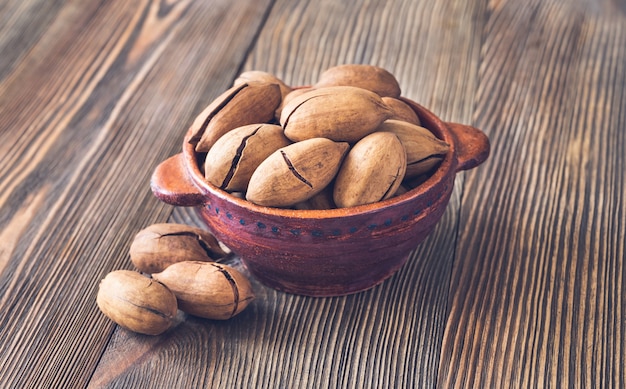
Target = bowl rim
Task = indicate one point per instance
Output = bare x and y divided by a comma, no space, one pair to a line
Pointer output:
429,120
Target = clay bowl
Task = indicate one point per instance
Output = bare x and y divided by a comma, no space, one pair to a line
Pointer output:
328,252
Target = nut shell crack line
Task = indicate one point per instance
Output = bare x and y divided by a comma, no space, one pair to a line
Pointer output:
294,171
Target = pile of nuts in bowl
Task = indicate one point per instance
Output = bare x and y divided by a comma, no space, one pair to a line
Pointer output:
345,141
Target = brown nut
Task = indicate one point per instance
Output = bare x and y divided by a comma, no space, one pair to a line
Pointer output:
160,245
246,103
296,173
261,76
373,78
137,302
234,157
402,111
339,113
209,290
423,149
372,170
287,98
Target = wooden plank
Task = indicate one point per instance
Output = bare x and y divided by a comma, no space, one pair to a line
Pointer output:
389,336
537,294
433,49
364,340
22,24
86,114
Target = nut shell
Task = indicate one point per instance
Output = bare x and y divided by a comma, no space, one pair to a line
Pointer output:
424,151
372,171
296,173
160,245
339,113
136,302
288,97
234,157
373,78
209,290
401,111
246,103
261,76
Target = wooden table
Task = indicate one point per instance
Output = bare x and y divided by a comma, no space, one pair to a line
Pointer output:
522,284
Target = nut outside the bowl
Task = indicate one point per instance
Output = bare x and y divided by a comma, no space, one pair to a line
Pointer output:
326,252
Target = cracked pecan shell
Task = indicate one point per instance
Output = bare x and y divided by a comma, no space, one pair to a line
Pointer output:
210,290
424,151
234,157
296,173
246,103
339,113
372,171
160,245
137,302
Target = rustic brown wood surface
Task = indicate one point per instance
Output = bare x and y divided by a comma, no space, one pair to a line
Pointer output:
520,285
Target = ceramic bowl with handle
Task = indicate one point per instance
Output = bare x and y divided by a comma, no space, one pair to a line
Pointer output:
325,252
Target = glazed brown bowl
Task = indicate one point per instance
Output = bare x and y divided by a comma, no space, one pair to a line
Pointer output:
324,252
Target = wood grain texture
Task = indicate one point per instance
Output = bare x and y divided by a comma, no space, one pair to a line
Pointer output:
431,47
376,338
537,290
520,285
386,337
84,120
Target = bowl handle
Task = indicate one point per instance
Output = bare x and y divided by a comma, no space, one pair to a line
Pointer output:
472,146
171,184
